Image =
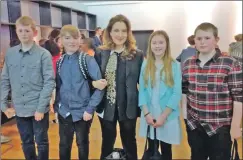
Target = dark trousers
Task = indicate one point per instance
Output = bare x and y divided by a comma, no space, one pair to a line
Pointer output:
128,137
29,129
66,131
4,118
166,149
216,147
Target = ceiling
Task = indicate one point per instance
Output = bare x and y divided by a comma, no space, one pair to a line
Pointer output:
101,2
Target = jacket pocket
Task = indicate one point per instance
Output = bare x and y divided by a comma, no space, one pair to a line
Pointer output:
12,68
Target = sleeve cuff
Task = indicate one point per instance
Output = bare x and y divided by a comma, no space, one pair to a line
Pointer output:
140,105
170,106
41,110
90,110
4,108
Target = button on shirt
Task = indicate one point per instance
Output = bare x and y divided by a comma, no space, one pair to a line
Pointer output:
31,79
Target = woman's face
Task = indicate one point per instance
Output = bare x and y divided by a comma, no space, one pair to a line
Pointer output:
119,33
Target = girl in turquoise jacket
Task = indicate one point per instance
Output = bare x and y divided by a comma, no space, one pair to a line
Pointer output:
160,94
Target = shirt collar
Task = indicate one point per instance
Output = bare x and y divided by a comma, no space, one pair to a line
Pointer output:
214,58
117,51
30,51
75,54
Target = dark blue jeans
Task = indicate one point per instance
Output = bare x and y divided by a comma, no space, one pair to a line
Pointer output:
66,131
29,129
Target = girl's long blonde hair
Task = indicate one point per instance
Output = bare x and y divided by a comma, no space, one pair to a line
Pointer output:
167,62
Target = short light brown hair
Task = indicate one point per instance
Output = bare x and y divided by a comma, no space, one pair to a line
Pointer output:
72,30
190,40
26,21
98,28
207,27
89,42
238,37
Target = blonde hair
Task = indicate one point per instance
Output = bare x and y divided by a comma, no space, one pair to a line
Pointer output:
206,27
167,62
238,37
26,21
70,29
130,43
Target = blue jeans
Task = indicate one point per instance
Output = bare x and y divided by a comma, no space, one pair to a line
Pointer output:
28,129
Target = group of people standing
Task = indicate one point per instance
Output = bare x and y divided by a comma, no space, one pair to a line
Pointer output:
121,85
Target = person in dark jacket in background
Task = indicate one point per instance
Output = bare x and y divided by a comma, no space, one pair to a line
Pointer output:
97,37
189,51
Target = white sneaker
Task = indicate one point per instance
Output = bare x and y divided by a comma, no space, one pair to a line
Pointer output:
5,139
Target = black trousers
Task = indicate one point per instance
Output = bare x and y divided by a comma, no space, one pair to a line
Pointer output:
66,131
128,137
216,147
166,149
4,118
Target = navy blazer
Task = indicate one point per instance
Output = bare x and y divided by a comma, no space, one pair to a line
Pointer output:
133,68
96,42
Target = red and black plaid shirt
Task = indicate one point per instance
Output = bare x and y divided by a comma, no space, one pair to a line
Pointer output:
211,91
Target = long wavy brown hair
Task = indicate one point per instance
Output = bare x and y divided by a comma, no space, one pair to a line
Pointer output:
167,62
130,44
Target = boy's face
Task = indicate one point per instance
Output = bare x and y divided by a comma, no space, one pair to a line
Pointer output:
70,43
25,33
205,41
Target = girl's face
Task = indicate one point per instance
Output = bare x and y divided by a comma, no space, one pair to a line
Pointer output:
158,45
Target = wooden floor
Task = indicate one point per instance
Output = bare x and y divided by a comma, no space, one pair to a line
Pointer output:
12,150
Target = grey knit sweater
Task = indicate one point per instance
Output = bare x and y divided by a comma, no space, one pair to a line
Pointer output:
235,50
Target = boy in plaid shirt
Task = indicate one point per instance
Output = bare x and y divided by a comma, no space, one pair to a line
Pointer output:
212,82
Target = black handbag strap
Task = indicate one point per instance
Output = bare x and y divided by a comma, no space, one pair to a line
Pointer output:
146,143
234,153
155,138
